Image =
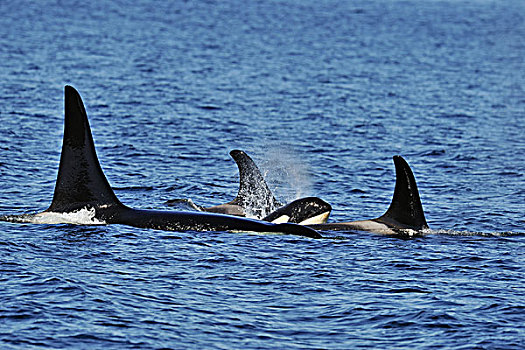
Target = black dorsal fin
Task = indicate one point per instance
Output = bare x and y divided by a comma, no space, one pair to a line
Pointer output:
80,182
406,210
253,190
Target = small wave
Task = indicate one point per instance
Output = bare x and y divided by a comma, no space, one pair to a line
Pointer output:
408,290
134,188
473,233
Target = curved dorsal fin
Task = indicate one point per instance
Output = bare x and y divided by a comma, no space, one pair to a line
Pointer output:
406,210
80,180
253,190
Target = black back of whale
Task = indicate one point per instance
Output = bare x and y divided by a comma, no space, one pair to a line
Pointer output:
81,183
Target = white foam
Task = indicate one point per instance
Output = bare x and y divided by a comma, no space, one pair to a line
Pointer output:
84,216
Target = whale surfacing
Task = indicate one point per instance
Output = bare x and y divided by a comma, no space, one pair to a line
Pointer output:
254,198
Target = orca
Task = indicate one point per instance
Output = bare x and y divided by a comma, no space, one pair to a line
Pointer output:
303,211
82,185
254,193
255,198
405,215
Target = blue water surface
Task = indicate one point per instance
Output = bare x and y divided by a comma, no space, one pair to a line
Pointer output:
322,94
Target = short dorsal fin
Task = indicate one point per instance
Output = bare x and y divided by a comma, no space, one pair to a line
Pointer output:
253,190
80,180
406,210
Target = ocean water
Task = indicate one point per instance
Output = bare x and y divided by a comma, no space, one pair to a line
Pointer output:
321,94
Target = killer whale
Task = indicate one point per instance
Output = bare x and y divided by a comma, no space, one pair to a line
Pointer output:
405,214
255,193
255,196
81,184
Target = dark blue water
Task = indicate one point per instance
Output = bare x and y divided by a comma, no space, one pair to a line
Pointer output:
322,94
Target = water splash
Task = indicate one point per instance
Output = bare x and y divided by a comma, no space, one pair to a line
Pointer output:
287,174
84,216
472,233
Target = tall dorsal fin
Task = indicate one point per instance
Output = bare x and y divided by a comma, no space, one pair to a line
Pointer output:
80,180
405,209
253,190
